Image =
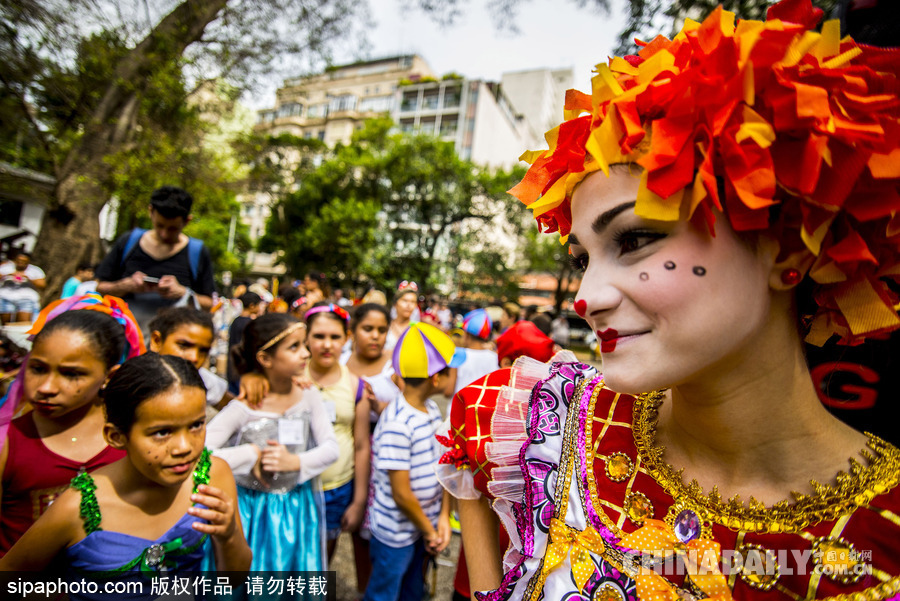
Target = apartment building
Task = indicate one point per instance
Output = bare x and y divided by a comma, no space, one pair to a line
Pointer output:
329,106
478,116
539,95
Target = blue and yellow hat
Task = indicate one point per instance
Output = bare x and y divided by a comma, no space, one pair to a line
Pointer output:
423,350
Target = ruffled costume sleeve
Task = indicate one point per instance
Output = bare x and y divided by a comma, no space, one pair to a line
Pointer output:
486,434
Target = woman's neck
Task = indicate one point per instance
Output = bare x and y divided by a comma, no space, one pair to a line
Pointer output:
366,366
136,489
755,428
322,375
280,385
88,418
400,323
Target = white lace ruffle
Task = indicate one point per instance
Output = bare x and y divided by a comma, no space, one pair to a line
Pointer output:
458,482
508,427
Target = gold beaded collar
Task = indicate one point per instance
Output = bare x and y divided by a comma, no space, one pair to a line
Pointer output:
827,503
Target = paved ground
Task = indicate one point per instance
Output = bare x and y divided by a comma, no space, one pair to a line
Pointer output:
345,567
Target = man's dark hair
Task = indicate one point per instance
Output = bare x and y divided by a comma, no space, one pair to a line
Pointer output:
249,298
416,382
171,202
170,319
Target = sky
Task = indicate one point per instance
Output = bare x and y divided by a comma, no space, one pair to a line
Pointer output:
552,34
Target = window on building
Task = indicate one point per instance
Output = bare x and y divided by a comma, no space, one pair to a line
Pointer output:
452,97
449,126
10,212
407,125
427,125
346,102
410,101
322,136
265,116
430,101
377,104
317,111
292,109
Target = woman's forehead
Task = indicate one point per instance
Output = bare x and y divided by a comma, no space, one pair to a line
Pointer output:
599,199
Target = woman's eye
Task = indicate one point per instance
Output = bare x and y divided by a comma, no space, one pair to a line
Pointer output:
632,240
579,262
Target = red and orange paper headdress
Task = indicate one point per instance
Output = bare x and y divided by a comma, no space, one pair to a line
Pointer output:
743,118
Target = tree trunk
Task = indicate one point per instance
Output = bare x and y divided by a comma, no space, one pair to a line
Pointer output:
70,229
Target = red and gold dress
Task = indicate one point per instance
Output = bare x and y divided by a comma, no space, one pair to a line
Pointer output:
593,512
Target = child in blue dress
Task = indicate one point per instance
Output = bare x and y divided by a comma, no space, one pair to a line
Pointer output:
154,510
277,449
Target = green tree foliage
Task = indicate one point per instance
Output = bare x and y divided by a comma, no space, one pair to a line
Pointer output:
649,18
89,84
544,253
386,207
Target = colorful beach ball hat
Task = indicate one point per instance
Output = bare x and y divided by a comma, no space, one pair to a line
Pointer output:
423,350
478,323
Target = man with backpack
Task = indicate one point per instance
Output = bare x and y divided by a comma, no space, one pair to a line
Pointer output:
160,267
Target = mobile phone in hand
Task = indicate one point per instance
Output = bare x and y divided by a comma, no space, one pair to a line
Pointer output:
150,280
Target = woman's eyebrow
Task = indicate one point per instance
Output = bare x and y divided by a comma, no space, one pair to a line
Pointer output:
605,218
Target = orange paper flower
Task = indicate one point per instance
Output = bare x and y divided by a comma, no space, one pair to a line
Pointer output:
746,118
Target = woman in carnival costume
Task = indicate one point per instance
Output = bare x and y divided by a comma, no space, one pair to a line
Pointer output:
727,193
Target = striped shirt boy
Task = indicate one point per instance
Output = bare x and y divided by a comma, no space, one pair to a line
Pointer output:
404,440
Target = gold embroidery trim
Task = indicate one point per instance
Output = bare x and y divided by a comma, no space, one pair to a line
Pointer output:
563,483
827,503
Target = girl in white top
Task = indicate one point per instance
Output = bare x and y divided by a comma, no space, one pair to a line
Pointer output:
271,449
369,359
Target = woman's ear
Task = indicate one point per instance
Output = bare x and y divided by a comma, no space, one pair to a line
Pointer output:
264,359
156,341
113,436
788,271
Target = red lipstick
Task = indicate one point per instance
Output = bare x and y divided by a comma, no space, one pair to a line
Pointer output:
608,340
581,307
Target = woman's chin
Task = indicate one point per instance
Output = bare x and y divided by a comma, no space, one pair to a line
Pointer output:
627,384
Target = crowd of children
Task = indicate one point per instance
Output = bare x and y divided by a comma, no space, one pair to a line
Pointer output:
334,432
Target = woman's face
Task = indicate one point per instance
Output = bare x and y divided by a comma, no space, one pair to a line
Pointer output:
63,373
668,302
326,339
370,335
290,356
405,305
167,436
190,341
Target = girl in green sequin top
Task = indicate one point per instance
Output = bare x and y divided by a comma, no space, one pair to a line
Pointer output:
156,507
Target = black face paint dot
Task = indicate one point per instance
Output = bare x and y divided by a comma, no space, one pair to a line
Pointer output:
669,265
644,276
699,270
